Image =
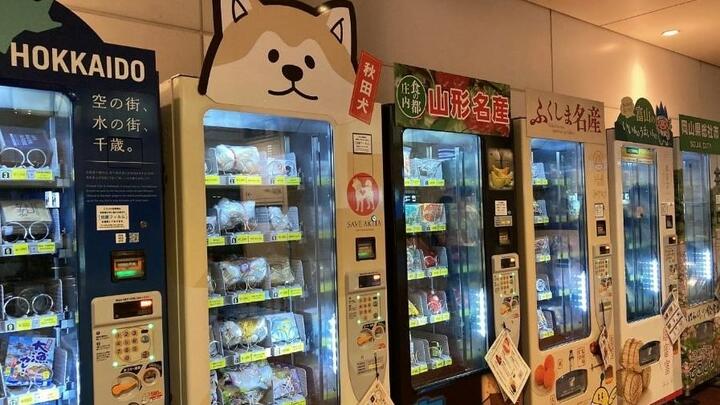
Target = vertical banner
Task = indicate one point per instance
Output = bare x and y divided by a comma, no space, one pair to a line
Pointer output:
365,90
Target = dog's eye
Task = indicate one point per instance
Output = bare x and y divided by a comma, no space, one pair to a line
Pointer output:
310,62
273,55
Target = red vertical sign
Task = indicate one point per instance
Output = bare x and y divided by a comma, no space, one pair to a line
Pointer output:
367,79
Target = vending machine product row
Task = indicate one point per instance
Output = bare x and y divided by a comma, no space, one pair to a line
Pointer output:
452,236
82,273
645,264
697,187
568,331
279,299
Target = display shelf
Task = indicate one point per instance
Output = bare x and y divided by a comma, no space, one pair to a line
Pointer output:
35,322
245,238
246,297
413,229
424,182
45,247
225,180
38,396
429,273
258,354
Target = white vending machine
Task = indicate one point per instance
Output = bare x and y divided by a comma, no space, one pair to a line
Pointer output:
645,265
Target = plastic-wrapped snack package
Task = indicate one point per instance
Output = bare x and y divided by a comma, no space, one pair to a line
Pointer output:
429,168
432,213
435,304
243,332
29,361
238,159
238,272
29,147
232,214
407,168
286,382
256,376
280,271
412,214
279,222
214,399
24,220
282,166
283,328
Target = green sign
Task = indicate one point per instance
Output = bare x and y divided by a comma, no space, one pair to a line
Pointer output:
699,135
429,99
641,123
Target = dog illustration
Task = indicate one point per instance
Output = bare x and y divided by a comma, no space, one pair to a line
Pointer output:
364,194
282,54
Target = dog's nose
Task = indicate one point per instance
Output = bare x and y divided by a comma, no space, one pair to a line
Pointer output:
292,73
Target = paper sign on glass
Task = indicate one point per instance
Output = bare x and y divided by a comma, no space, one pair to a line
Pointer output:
508,366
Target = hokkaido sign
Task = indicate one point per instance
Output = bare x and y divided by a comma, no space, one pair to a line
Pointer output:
699,135
642,123
429,99
550,113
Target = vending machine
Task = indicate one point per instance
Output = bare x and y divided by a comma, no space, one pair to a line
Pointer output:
645,260
697,207
568,332
452,233
280,299
82,280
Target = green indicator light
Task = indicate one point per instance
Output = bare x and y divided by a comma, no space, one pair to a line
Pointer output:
114,331
127,273
150,326
115,363
151,358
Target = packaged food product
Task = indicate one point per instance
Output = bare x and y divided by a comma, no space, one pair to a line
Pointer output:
238,159
233,215
280,271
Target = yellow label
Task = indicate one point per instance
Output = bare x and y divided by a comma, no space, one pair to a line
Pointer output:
415,275
239,239
216,241
445,316
415,370
217,363
285,292
43,175
212,180
298,402
412,182
47,321
20,249
18,173
23,324
294,236
247,297
435,182
250,357
256,237
245,180
26,399
413,228
293,181
290,348
51,394
279,181
439,272
437,227
46,247
281,236
545,295
418,321
214,302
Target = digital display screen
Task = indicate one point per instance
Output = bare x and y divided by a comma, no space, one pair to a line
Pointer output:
369,280
365,249
131,309
507,262
127,265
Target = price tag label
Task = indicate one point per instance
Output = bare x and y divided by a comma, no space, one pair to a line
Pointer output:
290,348
445,316
239,239
298,402
293,181
214,302
250,357
18,173
437,227
245,180
217,363
51,394
286,292
21,324
281,236
419,369
256,237
248,297
43,175
216,241
46,247
412,182
435,182
413,228
414,275
16,249
212,180
279,180
292,236
47,321
439,272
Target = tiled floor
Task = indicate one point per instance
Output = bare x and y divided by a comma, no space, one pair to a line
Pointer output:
708,394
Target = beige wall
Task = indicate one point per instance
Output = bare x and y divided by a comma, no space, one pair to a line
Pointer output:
510,41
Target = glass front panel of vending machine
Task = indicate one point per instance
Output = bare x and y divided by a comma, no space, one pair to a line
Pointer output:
271,259
560,242
443,224
38,276
698,227
641,231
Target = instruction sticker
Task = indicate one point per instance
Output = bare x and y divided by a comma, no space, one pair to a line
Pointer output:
112,217
501,207
362,144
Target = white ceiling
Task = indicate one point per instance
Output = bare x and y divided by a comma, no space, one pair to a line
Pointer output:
697,20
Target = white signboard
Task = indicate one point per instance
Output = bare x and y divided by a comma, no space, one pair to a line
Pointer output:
112,217
556,115
508,366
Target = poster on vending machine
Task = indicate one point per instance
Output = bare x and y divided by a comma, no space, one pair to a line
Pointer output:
508,366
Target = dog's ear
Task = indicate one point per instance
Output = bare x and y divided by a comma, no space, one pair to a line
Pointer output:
340,20
231,11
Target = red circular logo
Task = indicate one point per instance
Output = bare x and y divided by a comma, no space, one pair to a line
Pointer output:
363,194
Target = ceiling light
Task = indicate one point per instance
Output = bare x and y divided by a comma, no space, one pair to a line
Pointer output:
670,33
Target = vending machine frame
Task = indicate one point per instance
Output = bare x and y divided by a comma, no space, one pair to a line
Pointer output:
699,342
646,333
118,240
577,361
500,265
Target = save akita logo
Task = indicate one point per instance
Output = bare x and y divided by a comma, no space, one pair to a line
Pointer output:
363,194
282,54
